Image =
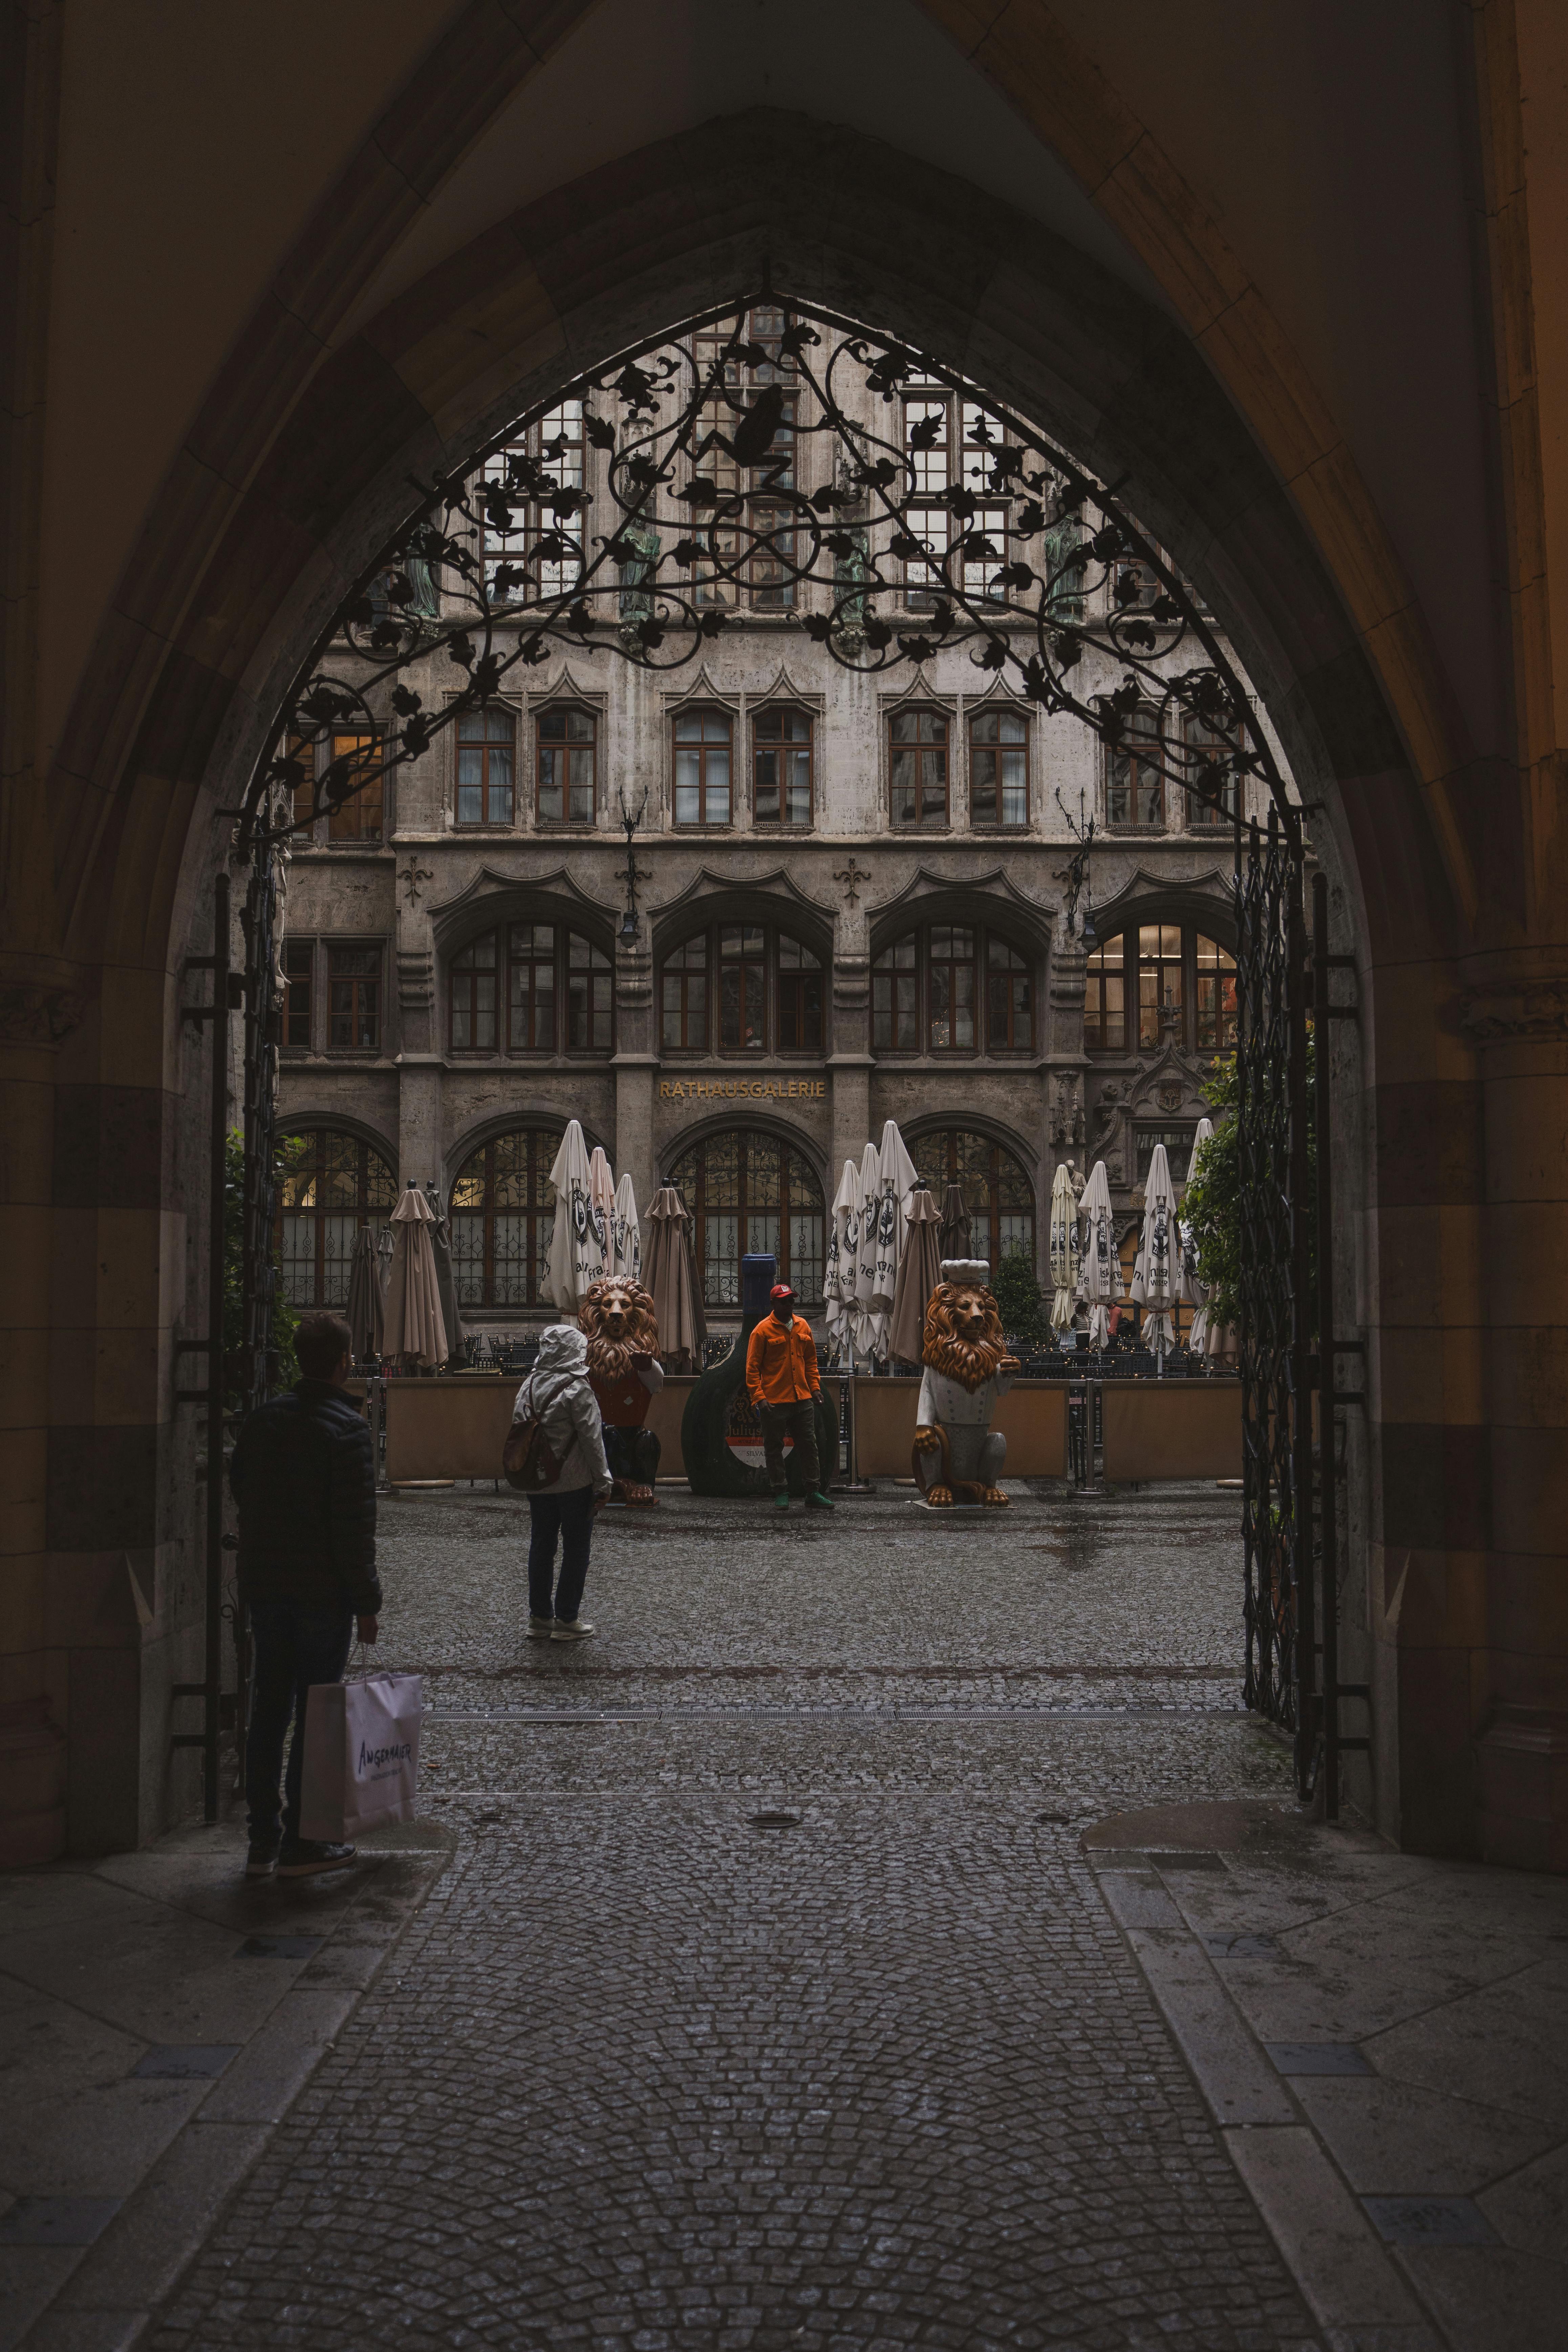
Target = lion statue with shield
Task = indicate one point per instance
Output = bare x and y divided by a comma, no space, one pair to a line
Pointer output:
967,1368
618,1318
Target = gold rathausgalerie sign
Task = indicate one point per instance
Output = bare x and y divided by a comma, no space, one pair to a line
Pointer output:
742,1089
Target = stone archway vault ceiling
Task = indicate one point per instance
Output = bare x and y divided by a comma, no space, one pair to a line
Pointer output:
1129,202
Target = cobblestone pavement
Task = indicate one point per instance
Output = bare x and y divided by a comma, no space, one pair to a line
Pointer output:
649,2072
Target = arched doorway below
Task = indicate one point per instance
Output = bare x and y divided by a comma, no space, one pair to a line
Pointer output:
333,1183
501,1213
747,1191
996,1186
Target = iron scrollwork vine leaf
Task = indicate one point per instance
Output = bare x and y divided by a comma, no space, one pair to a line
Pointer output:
699,435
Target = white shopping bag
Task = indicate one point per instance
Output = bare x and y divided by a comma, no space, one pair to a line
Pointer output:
362,1755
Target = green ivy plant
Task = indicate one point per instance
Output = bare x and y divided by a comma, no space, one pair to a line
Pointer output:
282,1361
1018,1301
1211,1206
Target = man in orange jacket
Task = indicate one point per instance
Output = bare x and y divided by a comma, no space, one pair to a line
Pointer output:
785,1384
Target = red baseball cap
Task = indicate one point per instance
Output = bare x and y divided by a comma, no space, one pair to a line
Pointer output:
781,1290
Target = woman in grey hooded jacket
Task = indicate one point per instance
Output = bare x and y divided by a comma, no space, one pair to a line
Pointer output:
558,1391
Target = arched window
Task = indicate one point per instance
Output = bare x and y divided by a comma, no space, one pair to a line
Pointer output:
702,767
998,768
332,1184
500,1213
917,767
1134,779
747,1191
780,767
566,788
486,738
1181,983
557,988
927,997
767,987
996,1190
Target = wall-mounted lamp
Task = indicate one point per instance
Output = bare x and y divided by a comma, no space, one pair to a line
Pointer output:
631,818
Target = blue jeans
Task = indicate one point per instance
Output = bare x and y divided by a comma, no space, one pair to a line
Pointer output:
568,1518
296,1646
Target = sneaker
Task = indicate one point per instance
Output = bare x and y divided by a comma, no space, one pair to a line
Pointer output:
817,1502
780,1502
571,1629
262,1859
539,1629
306,1857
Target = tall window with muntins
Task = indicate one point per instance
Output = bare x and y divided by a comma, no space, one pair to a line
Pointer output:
1160,991
702,767
917,767
1009,998
590,997
531,987
950,989
332,1184
558,989
1214,754
501,1213
360,818
996,1189
567,747
894,1006
931,461
538,555
471,979
926,993
486,742
729,489
742,987
747,1191
1214,997
683,996
1104,1005
354,998
1182,982
799,998
1134,780
298,975
302,751
780,767
771,569
998,768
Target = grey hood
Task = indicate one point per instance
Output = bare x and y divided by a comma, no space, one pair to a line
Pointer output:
562,1349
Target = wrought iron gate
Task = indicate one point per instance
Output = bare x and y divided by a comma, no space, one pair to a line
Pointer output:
1288,1336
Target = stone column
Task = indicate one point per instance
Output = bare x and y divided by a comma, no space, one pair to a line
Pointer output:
850,1063
1515,1013
419,1071
636,1068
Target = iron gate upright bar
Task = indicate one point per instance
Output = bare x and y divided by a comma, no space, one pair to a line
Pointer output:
1301,1302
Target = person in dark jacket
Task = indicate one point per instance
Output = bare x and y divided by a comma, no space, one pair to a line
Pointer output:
303,1477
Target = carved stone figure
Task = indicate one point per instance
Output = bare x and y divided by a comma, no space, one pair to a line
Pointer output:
617,1319
967,1368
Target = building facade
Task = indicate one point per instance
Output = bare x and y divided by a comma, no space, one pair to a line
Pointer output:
853,900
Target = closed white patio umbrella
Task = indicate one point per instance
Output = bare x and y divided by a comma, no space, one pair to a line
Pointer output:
840,1258
602,1207
1065,1255
1154,1283
896,1182
625,1233
1101,1266
863,1324
1191,1289
575,1258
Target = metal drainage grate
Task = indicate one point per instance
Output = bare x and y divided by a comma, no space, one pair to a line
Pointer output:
1317,2058
776,1821
189,2061
1430,2221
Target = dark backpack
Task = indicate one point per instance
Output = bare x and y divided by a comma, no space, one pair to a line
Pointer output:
527,1459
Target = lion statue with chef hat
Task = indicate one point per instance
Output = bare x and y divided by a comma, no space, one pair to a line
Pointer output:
967,1368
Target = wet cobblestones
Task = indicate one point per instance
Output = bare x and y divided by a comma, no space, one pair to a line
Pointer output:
645,2075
